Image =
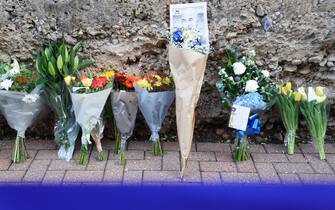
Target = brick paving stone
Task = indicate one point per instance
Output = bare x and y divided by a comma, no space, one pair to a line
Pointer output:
107,144
218,166
60,165
6,154
211,177
39,165
132,177
202,156
139,145
224,156
83,176
289,179
113,165
213,147
161,177
6,144
278,148
152,165
320,166
246,166
53,177
34,175
317,178
4,164
129,155
11,176
24,165
192,173
40,144
267,173
289,168
113,176
257,148
171,161
149,156
46,155
309,148
268,158
296,158
174,146
239,178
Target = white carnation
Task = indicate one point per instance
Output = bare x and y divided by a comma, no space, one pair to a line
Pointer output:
251,86
15,68
266,73
6,84
30,98
239,68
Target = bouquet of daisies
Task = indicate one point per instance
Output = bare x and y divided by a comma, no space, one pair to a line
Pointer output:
20,102
155,94
54,62
89,94
124,108
288,106
314,108
242,83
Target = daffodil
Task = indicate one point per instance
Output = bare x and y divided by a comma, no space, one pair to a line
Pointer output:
297,96
302,91
321,99
319,91
68,80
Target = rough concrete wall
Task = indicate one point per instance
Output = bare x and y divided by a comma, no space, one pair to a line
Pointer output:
299,46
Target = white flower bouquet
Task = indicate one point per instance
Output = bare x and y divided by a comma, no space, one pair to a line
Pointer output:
242,83
20,102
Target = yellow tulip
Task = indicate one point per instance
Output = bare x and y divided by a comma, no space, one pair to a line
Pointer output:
86,82
297,96
319,91
67,80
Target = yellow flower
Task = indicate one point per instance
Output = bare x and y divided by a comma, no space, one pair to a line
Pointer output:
297,96
143,83
288,86
86,82
108,74
166,81
67,80
321,99
319,91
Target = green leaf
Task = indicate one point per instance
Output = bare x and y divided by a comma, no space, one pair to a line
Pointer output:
75,63
60,63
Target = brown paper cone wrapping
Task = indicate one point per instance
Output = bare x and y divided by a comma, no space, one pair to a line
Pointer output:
187,68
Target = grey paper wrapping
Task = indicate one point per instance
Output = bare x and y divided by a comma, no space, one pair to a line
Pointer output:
88,109
154,106
124,106
19,114
187,68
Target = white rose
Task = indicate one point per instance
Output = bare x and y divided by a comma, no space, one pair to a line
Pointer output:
266,73
239,68
6,84
251,86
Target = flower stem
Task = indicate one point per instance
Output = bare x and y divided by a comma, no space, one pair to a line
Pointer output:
83,158
122,159
101,156
19,150
290,142
242,151
157,148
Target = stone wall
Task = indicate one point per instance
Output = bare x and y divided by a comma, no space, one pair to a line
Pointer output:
299,45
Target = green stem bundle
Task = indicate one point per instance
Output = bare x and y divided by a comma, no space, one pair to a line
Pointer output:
122,158
19,150
242,149
83,157
101,156
157,148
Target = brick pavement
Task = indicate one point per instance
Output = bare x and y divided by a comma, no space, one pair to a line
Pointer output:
209,163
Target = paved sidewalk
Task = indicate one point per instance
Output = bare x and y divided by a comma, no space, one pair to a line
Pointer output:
209,163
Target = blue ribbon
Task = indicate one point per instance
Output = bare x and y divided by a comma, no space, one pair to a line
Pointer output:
253,127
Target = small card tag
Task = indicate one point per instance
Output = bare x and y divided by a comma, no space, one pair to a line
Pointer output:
239,117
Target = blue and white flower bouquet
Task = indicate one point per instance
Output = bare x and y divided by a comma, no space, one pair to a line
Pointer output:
189,39
242,83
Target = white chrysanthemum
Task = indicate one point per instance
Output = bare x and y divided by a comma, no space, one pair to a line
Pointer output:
239,68
266,73
15,68
251,86
6,84
30,98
